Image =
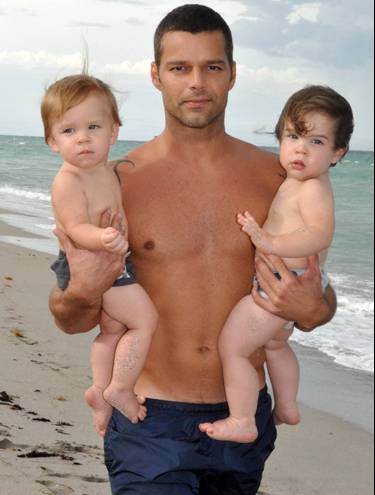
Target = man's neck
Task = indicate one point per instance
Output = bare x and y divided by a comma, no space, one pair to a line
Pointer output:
187,144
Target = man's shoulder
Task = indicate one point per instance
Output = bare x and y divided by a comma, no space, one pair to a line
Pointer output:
256,155
136,159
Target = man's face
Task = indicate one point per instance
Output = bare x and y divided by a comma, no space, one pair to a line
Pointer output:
194,77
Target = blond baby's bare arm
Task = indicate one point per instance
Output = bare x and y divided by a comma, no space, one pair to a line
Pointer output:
317,210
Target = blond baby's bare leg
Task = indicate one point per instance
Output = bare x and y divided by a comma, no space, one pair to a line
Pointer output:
131,306
247,329
283,369
102,354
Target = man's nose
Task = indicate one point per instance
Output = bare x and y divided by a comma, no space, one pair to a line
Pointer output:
197,79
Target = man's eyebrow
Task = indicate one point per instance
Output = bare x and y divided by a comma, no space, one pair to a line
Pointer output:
216,62
178,62
208,62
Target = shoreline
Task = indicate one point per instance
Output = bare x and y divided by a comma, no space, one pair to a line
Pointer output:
46,372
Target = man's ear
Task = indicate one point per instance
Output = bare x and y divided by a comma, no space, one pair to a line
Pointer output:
234,76
52,144
155,76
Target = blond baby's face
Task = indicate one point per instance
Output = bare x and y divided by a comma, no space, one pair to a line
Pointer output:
84,135
311,155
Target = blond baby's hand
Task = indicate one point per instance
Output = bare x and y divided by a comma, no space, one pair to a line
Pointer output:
114,242
261,239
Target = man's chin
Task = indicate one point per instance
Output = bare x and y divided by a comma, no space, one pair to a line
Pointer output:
199,122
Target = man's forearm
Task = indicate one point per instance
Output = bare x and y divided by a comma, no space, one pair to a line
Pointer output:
73,314
322,314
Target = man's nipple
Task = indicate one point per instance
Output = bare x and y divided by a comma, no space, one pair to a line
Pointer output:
149,245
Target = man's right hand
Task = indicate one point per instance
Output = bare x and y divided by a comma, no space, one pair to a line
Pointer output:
77,309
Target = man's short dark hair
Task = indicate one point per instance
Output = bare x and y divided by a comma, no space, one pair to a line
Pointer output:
193,19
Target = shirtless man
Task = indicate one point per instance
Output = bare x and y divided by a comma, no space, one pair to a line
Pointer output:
182,197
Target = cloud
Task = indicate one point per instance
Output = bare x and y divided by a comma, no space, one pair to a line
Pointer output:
134,21
90,24
41,59
140,68
311,31
306,11
130,2
267,80
17,12
72,61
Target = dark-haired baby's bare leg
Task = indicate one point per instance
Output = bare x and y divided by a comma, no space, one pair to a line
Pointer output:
247,329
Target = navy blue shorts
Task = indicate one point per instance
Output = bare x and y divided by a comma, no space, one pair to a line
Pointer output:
168,455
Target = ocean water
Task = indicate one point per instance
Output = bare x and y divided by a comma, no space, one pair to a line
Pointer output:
27,169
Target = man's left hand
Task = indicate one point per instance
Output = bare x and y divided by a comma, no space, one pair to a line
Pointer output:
292,298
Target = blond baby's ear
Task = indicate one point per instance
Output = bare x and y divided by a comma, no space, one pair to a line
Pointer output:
53,145
115,132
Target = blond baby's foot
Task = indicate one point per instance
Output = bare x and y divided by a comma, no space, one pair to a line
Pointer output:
287,413
127,403
232,430
101,410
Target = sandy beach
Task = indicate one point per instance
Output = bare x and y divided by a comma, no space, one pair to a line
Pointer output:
48,444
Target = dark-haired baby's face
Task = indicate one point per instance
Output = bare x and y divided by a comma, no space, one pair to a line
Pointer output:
194,77
310,154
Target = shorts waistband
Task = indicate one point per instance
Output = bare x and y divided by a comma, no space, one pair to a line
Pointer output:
192,408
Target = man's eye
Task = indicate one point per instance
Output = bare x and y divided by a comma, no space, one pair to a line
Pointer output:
214,68
179,68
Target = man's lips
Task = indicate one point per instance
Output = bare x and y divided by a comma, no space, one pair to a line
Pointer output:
197,103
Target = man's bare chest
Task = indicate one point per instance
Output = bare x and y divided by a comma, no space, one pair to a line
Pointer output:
192,215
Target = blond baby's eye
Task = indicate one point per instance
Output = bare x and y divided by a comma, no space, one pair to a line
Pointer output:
68,131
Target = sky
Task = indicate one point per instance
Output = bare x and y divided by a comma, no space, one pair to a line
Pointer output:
280,47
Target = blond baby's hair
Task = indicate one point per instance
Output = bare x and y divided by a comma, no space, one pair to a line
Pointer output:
69,92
